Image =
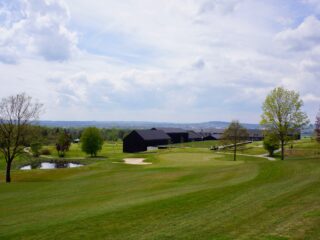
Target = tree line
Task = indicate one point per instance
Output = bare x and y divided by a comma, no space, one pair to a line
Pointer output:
281,115
62,138
48,135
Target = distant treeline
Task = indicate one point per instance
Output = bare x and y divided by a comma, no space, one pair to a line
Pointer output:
49,135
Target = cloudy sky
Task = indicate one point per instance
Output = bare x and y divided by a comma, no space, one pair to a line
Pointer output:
164,60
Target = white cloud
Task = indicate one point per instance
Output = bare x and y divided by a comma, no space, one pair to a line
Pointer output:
311,98
305,37
179,60
315,4
8,55
219,6
35,27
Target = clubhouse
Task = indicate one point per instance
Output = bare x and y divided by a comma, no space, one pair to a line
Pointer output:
143,139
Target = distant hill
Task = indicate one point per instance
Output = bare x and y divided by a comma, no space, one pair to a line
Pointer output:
141,125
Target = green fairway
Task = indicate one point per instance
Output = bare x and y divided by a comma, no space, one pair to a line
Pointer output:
186,193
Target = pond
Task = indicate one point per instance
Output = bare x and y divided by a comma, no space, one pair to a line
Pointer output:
51,165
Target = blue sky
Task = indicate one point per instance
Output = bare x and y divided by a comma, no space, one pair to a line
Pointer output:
176,61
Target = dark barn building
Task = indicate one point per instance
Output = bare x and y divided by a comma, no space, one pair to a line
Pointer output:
217,133
206,136
212,134
295,134
255,134
258,134
140,140
193,136
177,135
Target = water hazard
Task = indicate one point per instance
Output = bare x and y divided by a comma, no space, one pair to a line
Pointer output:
51,165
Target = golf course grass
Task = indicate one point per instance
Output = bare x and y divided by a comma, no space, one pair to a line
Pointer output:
188,192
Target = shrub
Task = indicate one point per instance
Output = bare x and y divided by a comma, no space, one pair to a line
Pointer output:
45,151
91,140
63,143
271,143
35,148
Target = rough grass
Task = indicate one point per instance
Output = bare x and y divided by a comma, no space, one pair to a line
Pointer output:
189,193
248,149
75,150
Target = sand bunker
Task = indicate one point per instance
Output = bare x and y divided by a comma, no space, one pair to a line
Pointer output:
136,161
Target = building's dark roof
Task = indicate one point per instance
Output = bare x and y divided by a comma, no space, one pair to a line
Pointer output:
214,130
217,135
204,134
217,132
194,135
147,134
255,132
210,134
171,130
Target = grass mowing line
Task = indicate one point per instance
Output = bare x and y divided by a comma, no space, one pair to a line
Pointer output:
116,213
186,222
170,193
249,155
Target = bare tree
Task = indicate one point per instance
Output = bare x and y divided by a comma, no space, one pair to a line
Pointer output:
16,114
235,133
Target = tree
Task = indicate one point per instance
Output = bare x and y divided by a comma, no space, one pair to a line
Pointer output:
235,133
271,143
63,143
113,135
35,140
282,114
35,148
17,112
91,141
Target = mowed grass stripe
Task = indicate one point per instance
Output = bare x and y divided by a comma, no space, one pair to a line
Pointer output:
184,194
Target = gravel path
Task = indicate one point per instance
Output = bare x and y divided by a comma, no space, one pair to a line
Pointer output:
265,156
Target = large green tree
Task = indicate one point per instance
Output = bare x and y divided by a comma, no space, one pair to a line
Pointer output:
17,112
234,134
91,141
282,114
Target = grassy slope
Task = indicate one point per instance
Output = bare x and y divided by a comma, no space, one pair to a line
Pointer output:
252,148
187,193
75,150
198,144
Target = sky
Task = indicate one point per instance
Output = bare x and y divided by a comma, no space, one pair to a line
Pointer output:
164,60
